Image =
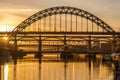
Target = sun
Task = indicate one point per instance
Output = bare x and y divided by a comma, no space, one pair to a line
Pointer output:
6,28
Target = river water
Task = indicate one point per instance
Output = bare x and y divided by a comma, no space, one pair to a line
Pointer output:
82,67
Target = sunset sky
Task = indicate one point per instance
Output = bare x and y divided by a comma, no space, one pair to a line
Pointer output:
13,12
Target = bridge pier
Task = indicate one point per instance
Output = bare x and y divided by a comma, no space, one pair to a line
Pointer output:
39,55
89,48
15,43
114,44
117,71
15,50
65,40
89,43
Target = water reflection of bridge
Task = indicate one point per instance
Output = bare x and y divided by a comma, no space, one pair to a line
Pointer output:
52,28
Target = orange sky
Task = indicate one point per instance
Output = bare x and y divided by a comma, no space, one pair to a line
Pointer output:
13,12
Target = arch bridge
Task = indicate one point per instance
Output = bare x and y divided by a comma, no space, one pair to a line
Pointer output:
58,26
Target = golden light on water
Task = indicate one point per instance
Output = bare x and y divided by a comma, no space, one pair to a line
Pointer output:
6,72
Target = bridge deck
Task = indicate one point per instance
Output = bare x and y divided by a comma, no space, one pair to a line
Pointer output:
57,52
92,33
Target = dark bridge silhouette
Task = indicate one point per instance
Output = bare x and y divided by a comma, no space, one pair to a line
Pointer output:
58,26
64,10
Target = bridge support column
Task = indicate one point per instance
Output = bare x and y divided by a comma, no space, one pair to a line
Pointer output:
89,44
114,44
15,44
39,55
15,50
65,40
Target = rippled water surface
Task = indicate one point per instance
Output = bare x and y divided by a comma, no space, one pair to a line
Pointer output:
53,68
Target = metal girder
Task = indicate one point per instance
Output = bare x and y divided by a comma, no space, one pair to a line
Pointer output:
63,10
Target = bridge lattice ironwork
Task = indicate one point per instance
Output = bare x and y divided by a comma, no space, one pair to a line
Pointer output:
58,26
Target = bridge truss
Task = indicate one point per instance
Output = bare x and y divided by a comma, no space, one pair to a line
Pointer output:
58,26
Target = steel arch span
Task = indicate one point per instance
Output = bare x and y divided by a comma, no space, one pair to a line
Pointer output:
60,26
64,10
